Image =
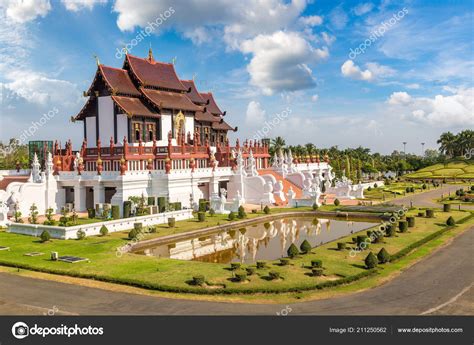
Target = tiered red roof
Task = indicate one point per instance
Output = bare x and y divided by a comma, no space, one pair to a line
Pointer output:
152,73
193,95
169,100
211,103
133,106
118,80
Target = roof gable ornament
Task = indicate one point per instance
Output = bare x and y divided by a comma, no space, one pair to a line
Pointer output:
97,59
150,55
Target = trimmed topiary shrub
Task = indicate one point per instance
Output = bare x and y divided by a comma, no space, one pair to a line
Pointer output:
235,265
423,186
266,210
115,212
412,189
411,222
162,204
341,245
261,264
354,240
212,212
138,226
430,213
450,221
132,234
45,236
403,225
177,206
315,207
91,213
362,242
231,215
201,216
371,261
241,213
316,263
198,280
284,261
127,207
421,214
292,251
383,256
171,222
104,231
241,276
446,207
151,201
389,230
305,247
251,270
337,202
317,272
80,234
274,275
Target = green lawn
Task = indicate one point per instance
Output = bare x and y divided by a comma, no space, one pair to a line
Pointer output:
169,274
393,190
459,169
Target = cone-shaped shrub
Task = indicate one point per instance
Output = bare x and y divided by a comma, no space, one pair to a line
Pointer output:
371,261
132,234
383,256
241,213
450,221
231,215
45,236
337,202
266,210
292,251
104,231
305,247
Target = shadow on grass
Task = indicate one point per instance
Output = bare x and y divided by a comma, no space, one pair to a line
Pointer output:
358,266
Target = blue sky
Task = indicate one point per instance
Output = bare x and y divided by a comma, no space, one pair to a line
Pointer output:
264,60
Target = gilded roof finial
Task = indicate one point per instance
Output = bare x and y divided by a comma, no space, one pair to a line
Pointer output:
194,76
173,61
96,59
150,54
125,50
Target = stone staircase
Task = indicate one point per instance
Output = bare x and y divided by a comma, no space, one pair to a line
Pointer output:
286,186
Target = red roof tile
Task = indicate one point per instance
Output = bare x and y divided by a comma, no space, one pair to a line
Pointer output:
194,95
133,106
206,117
212,106
222,125
170,100
118,80
153,73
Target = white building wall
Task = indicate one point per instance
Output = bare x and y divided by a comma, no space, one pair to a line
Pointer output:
90,130
165,128
189,126
122,127
106,118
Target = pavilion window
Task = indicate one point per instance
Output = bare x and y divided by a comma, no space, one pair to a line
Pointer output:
150,127
137,129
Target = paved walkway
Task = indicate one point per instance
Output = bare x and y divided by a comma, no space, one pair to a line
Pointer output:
439,284
427,199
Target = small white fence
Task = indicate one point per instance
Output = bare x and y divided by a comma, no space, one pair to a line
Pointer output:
70,232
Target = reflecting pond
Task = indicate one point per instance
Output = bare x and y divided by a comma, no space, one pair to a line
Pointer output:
263,241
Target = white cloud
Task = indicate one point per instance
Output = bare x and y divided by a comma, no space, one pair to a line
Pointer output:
280,61
455,110
314,98
78,5
363,8
199,35
328,38
255,115
399,98
373,71
311,20
350,70
22,11
338,18
39,89
413,86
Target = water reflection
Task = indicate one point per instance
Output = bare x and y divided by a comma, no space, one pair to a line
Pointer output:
265,241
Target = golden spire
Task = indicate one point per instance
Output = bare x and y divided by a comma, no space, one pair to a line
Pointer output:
173,61
125,49
150,54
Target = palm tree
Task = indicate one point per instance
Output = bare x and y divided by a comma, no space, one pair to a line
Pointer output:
447,142
310,148
277,144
